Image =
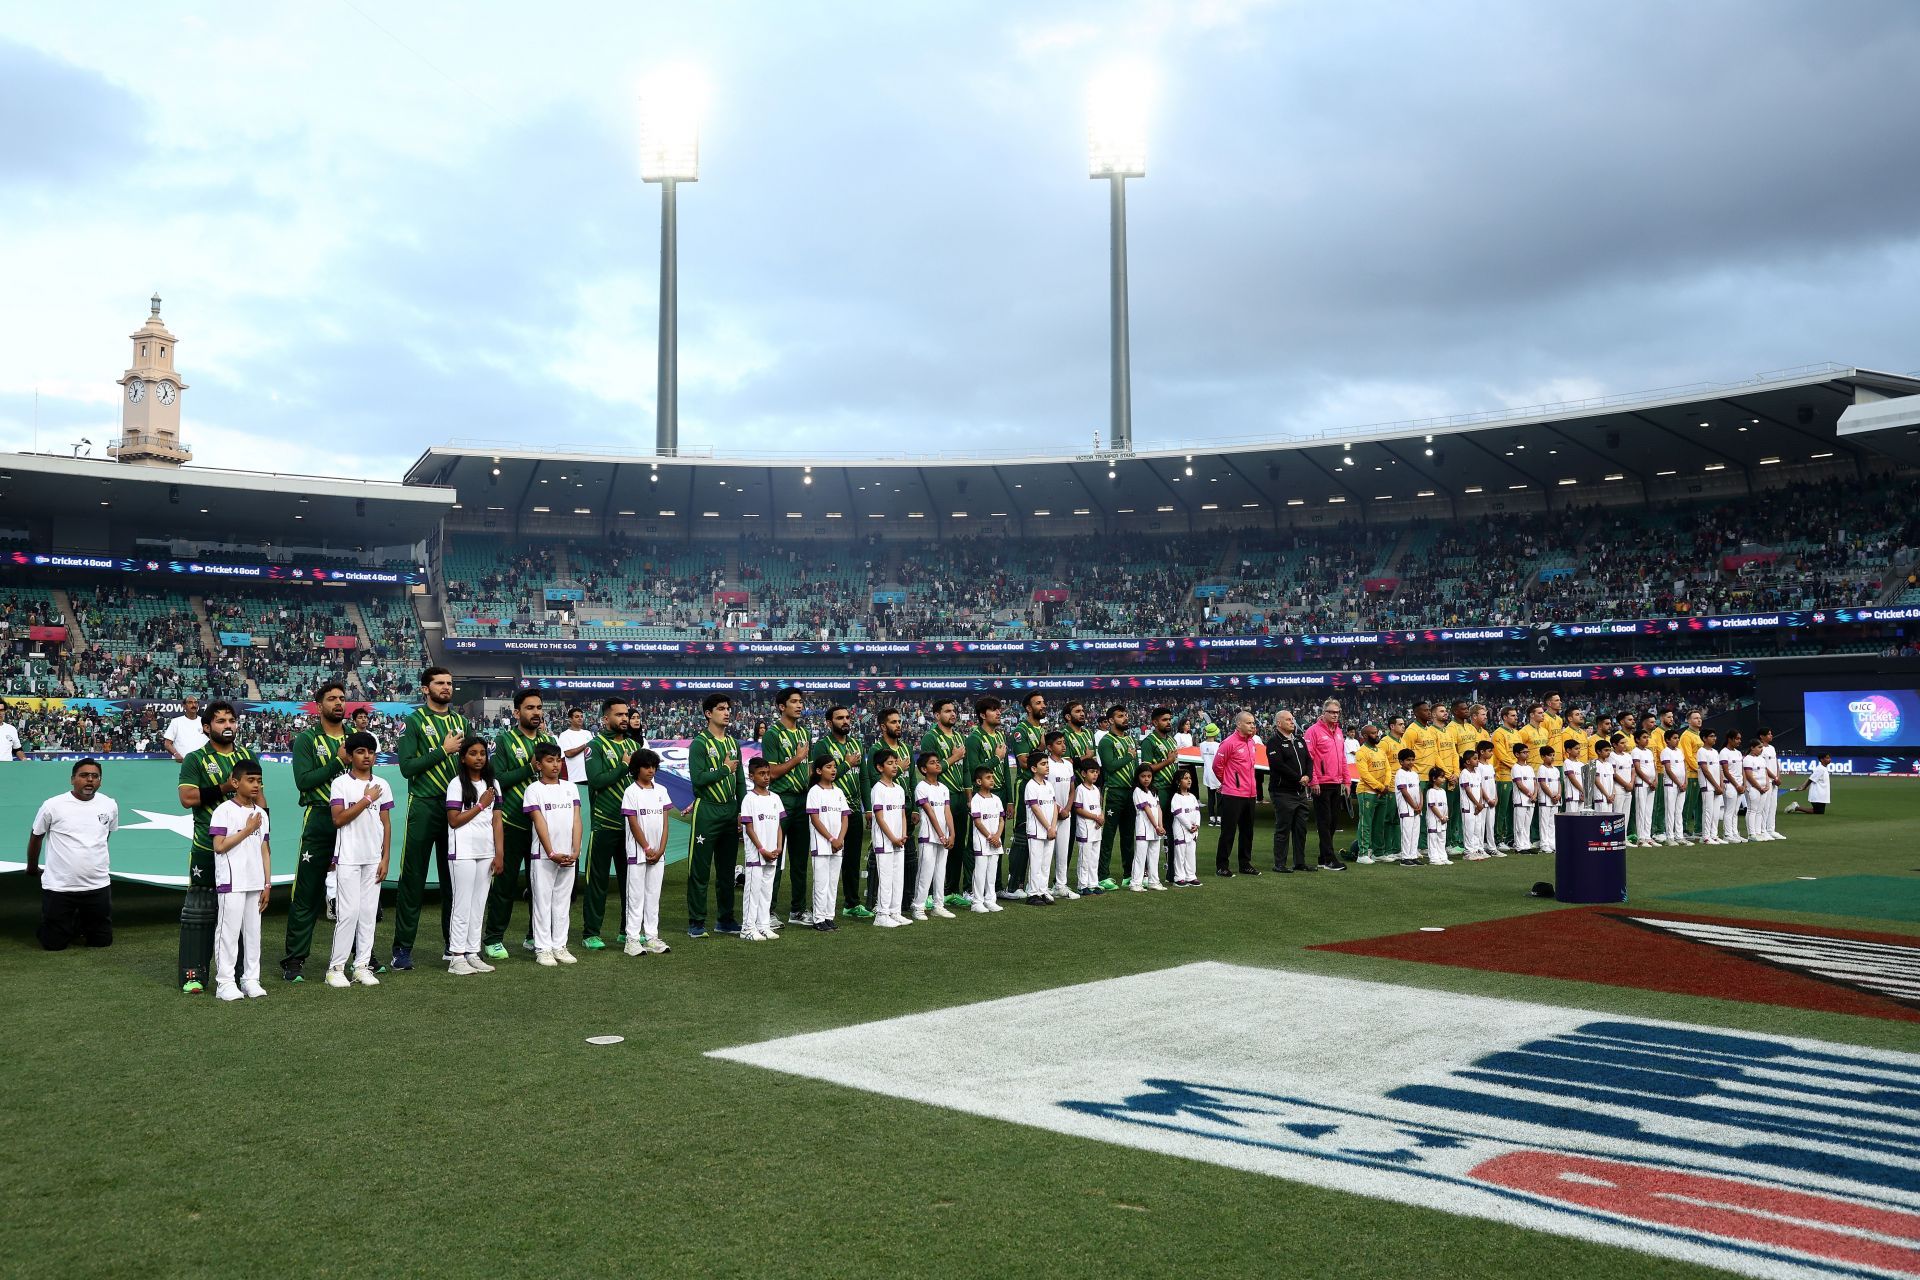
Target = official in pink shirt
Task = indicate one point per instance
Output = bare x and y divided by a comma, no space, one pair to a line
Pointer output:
1327,745
1233,764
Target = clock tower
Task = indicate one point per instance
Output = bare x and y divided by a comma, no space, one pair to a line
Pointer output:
150,411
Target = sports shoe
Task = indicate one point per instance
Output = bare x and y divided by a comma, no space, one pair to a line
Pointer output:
1476,856
1064,892
337,978
1335,865
981,909
1039,900
191,987
1014,895
1793,806
919,913
565,956
402,959
526,943
622,938
332,913
956,900
460,967
727,926
943,913
364,976
494,951
475,963
802,918
253,991
825,926
655,947
885,922
546,959
1138,888
1108,886
994,906
696,931
1440,862
1498,853
1365,859
229,993
635,948
858,912
594,942
1156,886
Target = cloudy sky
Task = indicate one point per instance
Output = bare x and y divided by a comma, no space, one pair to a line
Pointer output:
380,226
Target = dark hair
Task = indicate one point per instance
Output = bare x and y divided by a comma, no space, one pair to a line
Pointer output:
1178,774
469,793
1085,763
935,707
712,700
1436,772
576,711
546,749
1116,707
1546,749
1520,748
984,771
1485,745
838,706
327,688
644,757
1406,753
246,769
787,691
428,674
1140,769
1031,695
1034,758
758,763
1053,736
524,692
920,761
983,705
78,765
1157,712
819,763
880,756
212,709
1068,709
880,716
355,741
608,704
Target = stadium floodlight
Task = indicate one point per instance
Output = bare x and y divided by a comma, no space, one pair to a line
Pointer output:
1119,100
671,104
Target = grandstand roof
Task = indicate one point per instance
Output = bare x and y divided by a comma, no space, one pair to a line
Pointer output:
58,494
1785,418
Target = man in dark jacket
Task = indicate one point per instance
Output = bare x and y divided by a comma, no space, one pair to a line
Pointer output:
1290,781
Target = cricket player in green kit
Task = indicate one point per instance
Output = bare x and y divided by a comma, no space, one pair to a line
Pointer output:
607,779
429,752
713,766
206,780
845,750
1029,736
1119,757
987,749
1161,753
1079,735
512,771
944,739
319,757
787,746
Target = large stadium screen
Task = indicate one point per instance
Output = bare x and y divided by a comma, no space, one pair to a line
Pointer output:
1863,718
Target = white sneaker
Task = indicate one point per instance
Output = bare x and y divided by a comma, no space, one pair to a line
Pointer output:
802,918
994,906
253,990
1137,887
478,965
1016,895
526,944
229,993
635,947
944,914
1365,859
363,975
565,956
337,978
1439,862
655,947
1475,856
919,913
1061,891
980,909
459,967
885,922
546,958
1156,886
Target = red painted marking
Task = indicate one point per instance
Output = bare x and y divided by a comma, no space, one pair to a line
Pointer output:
1713,1205
1596,944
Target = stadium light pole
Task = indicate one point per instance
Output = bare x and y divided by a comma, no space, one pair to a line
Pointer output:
1118,99
670,108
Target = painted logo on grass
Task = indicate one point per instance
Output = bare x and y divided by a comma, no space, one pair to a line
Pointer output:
1765,1155
1876,717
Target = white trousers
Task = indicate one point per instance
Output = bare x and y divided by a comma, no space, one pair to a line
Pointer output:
1522,824
1489,841
1643,814
985,864
1146,860
1676,800
756,911
1039,862
356,898
1087,867
1730,816
236,939
1184,857
552,903
1470,830
889,868
1547,834
1709,813
1773,809
932,873
640,909
826,884
1410,837
1437,843
1062,853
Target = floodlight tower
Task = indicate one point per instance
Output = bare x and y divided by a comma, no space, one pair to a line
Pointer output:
1117,104
670,109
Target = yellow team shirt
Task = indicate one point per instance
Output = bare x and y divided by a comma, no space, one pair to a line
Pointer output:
1425,741
1503,740
1535,737
1446,751
1371,764
1552,724
1656,743
1689,748
1467,736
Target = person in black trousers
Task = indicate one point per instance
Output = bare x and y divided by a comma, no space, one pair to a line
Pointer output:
1289,778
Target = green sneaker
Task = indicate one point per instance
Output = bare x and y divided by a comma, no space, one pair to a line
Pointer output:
191,987
957,900
858,913
595,943
1126,882
495,951
928,904
622,939
1109,885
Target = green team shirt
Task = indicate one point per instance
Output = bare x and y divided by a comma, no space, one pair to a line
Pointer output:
713,768
607,777
318,758
1079,743
1119,758
1027,737
513,770
778,745
423,764
981,745
957,777
850,756
206,769
1153,750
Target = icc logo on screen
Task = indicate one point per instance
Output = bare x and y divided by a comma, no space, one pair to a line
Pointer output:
1876,717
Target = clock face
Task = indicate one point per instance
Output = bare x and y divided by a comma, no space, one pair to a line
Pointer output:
135,390
167,393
